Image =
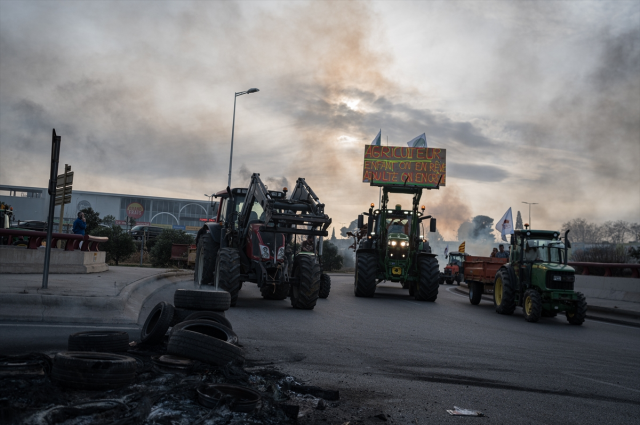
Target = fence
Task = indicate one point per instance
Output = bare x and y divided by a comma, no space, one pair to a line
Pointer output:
35,239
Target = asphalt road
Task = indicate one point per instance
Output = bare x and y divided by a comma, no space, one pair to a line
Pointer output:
413,360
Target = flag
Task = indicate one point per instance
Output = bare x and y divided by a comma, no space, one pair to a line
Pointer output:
418,142
461,248
505,225
376,141
446,250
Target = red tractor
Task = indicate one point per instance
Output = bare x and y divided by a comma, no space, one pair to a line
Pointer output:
252,241
454,270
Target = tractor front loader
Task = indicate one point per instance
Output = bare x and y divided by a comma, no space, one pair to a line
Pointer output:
395,249
249,240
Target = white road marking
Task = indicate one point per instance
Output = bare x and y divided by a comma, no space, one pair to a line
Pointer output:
64,326
602,382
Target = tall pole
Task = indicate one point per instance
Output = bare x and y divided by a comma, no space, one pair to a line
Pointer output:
233,126
53,179
530,203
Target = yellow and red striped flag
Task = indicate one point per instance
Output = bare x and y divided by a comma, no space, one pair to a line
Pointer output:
461,248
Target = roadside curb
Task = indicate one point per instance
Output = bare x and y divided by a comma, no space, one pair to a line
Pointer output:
601,318
123,308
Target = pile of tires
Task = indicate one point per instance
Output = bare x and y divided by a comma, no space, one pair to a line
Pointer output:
196,327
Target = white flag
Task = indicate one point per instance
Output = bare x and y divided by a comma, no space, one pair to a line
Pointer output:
376,141
446,250
505,225
418,142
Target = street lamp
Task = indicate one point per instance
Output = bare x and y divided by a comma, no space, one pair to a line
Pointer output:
210,201
233,125
530,203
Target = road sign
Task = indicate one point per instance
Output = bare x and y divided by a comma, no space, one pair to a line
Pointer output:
68,181
178,227
66,198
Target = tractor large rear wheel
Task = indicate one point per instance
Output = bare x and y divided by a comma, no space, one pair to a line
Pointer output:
504,293
227,276
206,255
305,292
365,278
428,276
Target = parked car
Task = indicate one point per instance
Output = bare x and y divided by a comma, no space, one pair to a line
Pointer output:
39,226
152,233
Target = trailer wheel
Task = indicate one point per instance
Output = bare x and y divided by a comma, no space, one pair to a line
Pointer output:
206,254
227,276
580,313
305,293
364,284
325,285
428,270
279,292
475,292
532,305
504,293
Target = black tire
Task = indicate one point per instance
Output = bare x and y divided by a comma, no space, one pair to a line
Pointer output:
181,314
475,292
364,284
93,371
325,285
198,325
157,323
427,285
532,305
228,273
206,256
304,294
210,315
205,348
504,293
458,279
580,313
193,299
100,341
277,292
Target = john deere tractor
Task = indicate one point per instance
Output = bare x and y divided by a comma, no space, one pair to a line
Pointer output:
395,249
538,279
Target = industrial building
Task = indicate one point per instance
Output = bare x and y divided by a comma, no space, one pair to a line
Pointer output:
32,203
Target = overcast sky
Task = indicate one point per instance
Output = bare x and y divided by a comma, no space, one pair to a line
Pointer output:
533,101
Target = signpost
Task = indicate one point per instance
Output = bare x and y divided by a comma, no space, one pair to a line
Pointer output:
63,192
53,176
397,166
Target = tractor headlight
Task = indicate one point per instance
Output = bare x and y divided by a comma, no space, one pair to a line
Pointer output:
394,243
264,250
403,243
281,253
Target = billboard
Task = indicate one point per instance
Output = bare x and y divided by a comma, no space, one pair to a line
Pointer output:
135,210
395,165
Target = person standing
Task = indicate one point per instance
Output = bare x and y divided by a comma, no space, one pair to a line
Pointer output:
494,252
80,225
502,253
307,245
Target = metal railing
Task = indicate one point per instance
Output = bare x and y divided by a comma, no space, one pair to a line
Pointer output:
35,239
635,268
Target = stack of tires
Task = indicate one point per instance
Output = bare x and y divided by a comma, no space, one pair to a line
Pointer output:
198,327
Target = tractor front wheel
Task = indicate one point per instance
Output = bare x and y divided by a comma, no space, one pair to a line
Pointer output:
325,285
206,255
532,305
428,270
475,292
305,292
364,284
227,275
580,313
504,293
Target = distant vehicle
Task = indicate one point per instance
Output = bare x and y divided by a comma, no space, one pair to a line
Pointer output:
38,226
151,232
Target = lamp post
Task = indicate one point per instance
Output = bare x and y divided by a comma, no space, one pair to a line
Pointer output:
233,125
210,201
530,203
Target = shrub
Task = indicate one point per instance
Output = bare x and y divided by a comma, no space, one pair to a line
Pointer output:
120,245
601,253
161,251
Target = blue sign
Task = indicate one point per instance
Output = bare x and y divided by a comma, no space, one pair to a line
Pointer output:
176,227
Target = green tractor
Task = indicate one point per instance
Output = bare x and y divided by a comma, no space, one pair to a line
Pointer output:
538,279
395,250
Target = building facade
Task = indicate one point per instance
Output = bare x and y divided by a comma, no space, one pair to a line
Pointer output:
32,203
